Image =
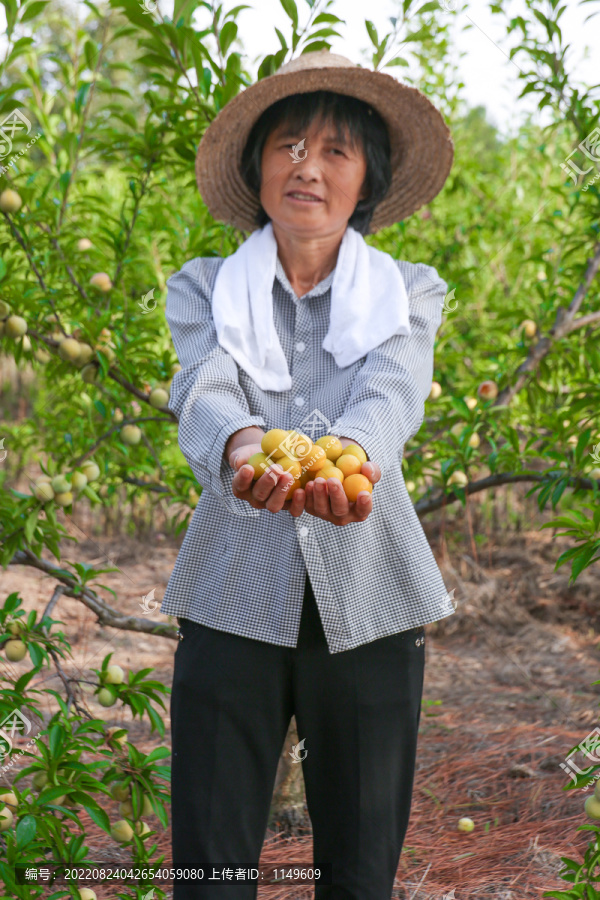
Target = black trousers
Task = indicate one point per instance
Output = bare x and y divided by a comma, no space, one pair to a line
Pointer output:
358,714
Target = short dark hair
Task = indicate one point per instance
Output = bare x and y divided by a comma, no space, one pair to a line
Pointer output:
365,129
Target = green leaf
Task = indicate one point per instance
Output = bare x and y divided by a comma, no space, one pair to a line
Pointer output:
33,9
26,829
397,61
291,10
30,525
328,17
372,33
227,36
98,816
56,738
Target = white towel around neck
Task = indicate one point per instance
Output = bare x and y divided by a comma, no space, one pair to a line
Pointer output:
369,304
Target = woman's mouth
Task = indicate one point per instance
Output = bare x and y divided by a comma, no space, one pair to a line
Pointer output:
302,197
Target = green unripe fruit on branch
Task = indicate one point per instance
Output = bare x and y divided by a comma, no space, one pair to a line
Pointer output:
64,499
119,740
131,434
78,480
120,792
85,354
84,244
458,478
488,390
159,398
6,819
4,309
15,326
87,893
10,201
107,696
147,808
41,354
69,350
60,484
108,352
592,807
101,281
90,470
43,492
90,374
126,808
114,675
121,831
17,626
10,799
39,780
15,650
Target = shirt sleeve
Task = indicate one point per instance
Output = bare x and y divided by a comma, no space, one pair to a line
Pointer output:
386,406
206,396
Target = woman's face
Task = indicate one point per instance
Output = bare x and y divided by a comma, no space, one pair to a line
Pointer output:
328,169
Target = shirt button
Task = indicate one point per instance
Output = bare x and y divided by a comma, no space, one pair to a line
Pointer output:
299,401
300,346
303,531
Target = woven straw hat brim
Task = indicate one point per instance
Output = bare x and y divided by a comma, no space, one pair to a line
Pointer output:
421,145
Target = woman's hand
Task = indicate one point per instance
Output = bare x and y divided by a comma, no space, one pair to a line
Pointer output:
268,491
326,499
323,498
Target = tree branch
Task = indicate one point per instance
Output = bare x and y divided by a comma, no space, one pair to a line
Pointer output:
106,615
425,506
562,326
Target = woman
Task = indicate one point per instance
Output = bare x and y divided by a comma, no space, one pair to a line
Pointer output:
304,328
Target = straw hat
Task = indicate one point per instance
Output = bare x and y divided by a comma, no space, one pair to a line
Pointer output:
421,145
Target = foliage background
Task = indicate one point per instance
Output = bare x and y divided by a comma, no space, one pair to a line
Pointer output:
120,104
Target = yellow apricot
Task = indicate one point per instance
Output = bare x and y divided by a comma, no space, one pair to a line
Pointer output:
307,476
355,483
294,486
293,466
331,445
357,451
317,460
255,461
331,472
271,441
300,445
348,464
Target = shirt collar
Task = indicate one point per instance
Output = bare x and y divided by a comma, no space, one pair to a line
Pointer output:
318,289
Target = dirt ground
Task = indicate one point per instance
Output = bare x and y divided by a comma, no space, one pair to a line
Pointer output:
508,692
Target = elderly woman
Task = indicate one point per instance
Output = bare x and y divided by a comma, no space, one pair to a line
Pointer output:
308,329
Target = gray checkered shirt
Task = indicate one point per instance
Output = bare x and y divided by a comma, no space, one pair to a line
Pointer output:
243,570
